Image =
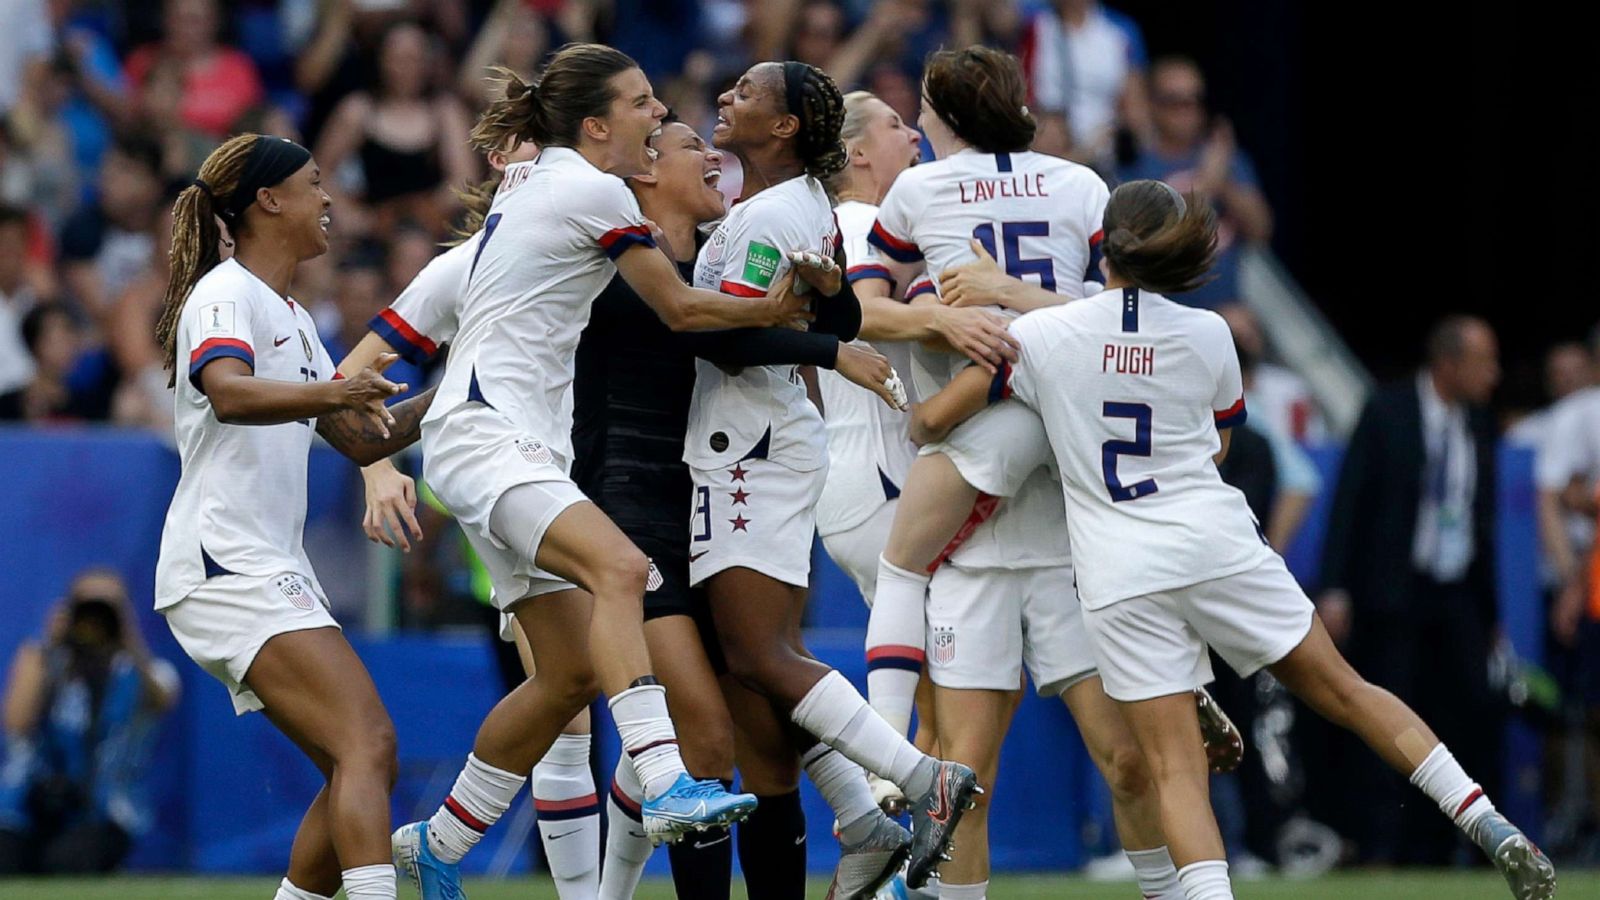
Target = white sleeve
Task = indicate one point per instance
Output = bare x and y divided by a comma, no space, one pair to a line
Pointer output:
424,315
215,329
892,234
1017,380
1228,401
603,210
861,264
754,253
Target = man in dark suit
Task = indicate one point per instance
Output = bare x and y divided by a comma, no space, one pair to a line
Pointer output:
1408,573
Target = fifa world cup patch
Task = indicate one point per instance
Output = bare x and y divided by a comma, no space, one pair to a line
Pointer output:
653,581
535,451
944,644
296,591
216,318
761,263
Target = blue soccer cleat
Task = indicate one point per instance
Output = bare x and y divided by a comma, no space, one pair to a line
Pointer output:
435,879
691,805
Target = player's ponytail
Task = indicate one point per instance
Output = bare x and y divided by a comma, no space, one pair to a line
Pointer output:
196,235
549,110
980,94
1158,240
475,200
812,97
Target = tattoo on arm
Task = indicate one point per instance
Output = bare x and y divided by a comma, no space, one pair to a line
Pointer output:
357,436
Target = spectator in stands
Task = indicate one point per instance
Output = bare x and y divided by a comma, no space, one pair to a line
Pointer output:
39,168
1192,151
362,290
1567,472
1279,398
143,399
514,37
1408,573
219,83
1568,368
26,25
1087,61
16,299
60,390
80,713
411,139
107,242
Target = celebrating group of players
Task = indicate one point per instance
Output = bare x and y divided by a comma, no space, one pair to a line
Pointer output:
616,369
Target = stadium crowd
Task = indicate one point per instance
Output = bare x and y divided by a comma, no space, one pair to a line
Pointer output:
107,108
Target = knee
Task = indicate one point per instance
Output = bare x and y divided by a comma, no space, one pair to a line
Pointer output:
370,749
573,687
621,577
1126,772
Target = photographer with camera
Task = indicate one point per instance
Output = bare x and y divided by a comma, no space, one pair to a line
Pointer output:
80,712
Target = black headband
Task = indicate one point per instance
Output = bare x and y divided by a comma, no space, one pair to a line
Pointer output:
271,160
794,81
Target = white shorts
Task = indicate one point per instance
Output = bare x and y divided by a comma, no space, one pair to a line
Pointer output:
856,551
985,624
997,449
475,454
225,622
1156,645
755,514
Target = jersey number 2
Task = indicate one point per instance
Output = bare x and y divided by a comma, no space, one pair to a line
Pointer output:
1016,265
1110,451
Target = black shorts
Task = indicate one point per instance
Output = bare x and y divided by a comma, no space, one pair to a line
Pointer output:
668,592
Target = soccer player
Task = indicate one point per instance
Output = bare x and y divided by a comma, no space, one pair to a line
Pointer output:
233,580
1137,394
632,391
758,454
498,448
869,446
1005,596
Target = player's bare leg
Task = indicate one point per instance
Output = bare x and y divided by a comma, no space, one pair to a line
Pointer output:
313,866
933,504
972,726
315,689
1135,807
1167,730
1318,674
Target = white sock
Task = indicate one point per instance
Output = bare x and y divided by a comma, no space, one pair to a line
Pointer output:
1459,797
948,891
569,816
1206,880
627,848
480,797
834,711
287,891
648,736
895,643
1156,874
369,883
844,785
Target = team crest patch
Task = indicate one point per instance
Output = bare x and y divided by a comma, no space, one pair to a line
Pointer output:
653,581
944,644
305,344
216,318
718,441
761,263
296,591
535,452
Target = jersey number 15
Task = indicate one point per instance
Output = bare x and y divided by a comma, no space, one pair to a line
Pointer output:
1015,264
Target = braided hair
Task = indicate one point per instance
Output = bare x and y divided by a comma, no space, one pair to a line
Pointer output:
812,97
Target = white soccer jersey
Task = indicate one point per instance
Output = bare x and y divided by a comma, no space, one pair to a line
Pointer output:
869,443
240,506
763,411
1038,216
1133,389
425,314
546,252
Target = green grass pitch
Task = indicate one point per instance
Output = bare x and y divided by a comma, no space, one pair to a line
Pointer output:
1387,886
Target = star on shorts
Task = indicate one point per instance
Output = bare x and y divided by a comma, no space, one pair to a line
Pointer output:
740,496
739,523
738,472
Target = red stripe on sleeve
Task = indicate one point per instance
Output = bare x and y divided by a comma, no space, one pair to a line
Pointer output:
1096,238
740,290
415,337
214,343
1231,411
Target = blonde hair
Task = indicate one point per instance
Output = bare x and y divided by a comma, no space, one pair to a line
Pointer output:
854,123
196,234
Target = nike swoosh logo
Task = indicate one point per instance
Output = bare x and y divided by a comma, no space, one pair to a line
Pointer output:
941,813
695,556
557,837
701,845
278,342
799,840
637,834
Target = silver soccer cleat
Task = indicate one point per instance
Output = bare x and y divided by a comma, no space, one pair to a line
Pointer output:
867,865
1524,865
